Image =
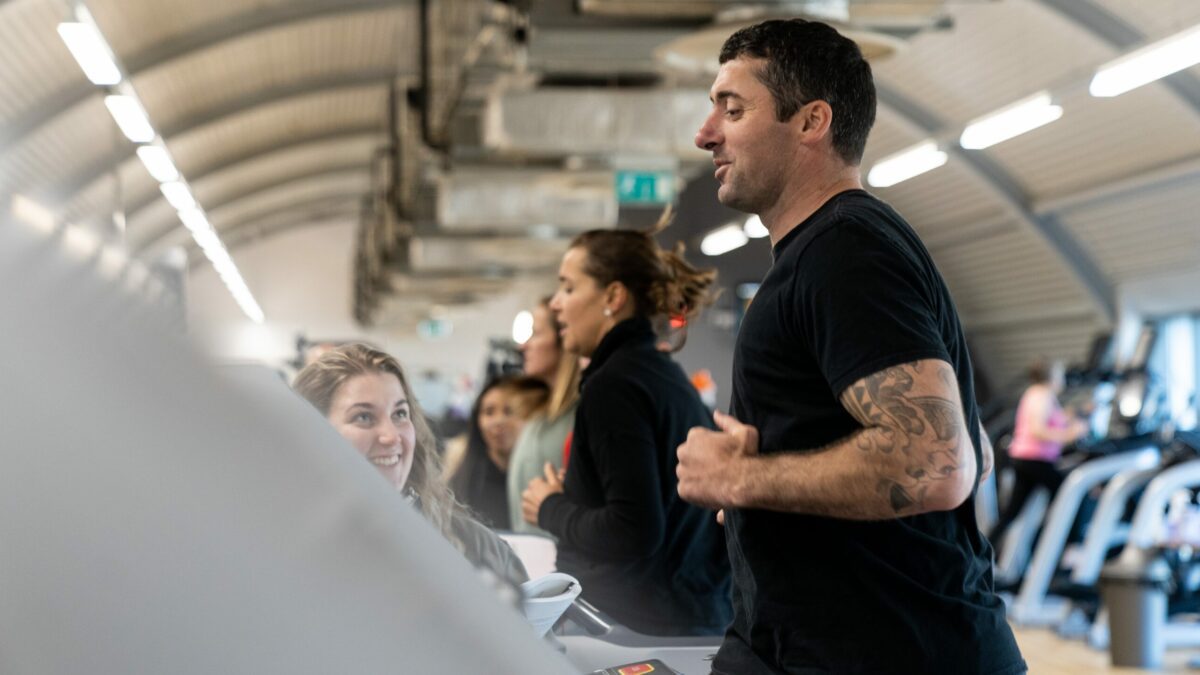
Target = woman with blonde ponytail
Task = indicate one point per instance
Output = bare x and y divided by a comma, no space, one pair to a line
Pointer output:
654,562
365,396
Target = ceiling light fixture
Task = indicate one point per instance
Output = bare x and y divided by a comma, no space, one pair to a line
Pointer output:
178,195
130,117
1010,121
1145,65
906,164
754,227
91,52
158,162
723,240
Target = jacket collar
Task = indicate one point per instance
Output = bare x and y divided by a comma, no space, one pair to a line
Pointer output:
633,332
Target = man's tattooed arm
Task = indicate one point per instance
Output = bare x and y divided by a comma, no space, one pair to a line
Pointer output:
912,415
913,454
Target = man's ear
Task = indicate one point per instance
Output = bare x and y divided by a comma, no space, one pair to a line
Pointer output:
814,120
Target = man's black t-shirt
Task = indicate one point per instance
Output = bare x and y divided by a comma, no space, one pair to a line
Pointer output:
852,292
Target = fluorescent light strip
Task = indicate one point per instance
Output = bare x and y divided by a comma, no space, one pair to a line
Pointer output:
158,163
1010,121
80,241
195,220
32,213
95,56
178,195
91,52
1145,65
754,227
909,163
130,117
723,240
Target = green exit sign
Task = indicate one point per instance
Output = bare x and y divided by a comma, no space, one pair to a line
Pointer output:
435,329
645,187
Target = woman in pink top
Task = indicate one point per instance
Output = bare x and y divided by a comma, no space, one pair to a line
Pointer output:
1042,429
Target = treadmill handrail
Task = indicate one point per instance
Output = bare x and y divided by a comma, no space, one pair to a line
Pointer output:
1061,516
1154,502
1105,521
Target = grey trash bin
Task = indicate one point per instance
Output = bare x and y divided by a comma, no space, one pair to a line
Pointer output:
1134,587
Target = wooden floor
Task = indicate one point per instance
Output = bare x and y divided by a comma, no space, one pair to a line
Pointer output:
1048,654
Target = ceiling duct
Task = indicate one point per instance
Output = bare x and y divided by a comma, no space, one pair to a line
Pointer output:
515,254
880,27
560,122
834,10
519,201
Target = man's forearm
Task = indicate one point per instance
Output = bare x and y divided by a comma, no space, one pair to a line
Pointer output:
913,455
861,477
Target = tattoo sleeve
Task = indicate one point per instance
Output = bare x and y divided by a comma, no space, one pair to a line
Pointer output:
913,418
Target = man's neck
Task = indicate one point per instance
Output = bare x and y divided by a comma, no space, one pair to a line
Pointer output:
797,204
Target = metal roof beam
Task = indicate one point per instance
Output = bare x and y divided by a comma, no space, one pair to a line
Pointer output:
1110,28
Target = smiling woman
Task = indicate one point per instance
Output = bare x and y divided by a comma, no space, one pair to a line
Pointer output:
365,396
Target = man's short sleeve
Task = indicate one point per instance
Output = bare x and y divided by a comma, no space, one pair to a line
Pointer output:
865,302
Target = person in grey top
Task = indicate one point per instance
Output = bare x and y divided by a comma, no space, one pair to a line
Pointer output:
546,434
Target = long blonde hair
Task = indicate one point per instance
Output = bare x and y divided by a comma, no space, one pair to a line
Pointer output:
564,387
319,382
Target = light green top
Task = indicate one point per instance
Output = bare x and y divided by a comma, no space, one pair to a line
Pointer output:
541,441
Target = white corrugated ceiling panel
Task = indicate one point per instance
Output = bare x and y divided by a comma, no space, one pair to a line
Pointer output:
1150,232
216,189
244,68
165,229
1102,139
133,26
356,153
996,53
78,140
246,210
1004,354
890,134
101,195
360,108
343,208
1009,276
36,62
940,201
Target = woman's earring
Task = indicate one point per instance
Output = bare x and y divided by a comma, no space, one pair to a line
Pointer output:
607,312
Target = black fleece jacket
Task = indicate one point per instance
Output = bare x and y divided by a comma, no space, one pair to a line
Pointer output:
643,555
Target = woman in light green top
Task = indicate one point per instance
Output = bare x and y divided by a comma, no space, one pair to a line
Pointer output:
543,437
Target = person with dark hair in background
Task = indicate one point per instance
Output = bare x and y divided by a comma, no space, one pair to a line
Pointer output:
547,431
847,466
643,555
365,395
496,421
1042,429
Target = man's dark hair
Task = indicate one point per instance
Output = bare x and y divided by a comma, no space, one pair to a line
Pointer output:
809,61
